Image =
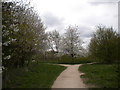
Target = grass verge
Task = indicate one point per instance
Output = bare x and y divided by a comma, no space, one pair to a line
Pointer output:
37,76
100,75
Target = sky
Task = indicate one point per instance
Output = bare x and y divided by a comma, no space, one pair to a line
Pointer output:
86,14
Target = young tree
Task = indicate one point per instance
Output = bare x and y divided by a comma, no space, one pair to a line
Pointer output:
72,42
104,45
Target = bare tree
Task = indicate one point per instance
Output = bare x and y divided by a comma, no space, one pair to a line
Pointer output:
72,42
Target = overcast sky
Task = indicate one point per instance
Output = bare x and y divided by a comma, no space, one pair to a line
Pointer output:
86,14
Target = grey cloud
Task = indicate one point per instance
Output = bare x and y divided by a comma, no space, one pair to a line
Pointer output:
85,32
116,16
103,2
51,20
109,20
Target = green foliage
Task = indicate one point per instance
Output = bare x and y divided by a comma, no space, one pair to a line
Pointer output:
104,45
76,60
36,76
101,75
23,34
65,59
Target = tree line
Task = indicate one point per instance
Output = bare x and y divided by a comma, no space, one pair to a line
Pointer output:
24,39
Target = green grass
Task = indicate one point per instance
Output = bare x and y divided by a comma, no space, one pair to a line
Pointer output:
37,76
100,75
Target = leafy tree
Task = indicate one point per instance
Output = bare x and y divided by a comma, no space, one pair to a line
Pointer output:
104,44
23,34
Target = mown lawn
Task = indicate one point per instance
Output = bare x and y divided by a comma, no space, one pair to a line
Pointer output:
101,75
37,76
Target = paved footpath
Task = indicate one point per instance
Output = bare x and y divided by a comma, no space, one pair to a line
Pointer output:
69,78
